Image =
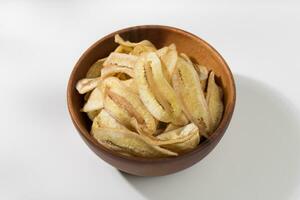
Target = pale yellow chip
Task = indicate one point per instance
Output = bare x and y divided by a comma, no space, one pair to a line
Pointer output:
93,114
123,49
187,85
121,41
105,120
214,100
190,130
120,59
94,102
95,69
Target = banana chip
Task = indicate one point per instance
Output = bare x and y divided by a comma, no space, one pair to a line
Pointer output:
162,51
95,101
123,49
169,58
131,85
165,89
186,58
187,84
95,69
150,103
118,113
120,41
201,70
147,95
104,120
171,127
190,130
214,100
110,71
87,84
132,104
120,59
129,142
203,75
141,48
93,114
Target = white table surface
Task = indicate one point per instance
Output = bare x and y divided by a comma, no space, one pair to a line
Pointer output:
42,156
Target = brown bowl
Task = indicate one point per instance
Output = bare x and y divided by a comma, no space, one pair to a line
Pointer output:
160,36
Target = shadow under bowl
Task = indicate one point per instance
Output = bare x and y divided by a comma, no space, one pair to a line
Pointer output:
199,51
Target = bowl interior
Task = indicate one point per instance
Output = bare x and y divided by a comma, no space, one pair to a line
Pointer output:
160,36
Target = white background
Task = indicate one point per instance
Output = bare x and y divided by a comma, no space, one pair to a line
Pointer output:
43,157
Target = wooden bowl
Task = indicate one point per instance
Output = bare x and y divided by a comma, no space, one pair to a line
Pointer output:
160,36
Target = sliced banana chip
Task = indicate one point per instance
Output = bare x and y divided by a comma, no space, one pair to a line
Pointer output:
93,114
165,90
186,58
86,96
105,120
190,130
120,59
162,51
118,113
201,70
203,75
131,85
169,58
95,101
95,69
128,142
146,94
123,49
87,84
120,41
171,127
187,84
141,48
110,71
131,103
214,100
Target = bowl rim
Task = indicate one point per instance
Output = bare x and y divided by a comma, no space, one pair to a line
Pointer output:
214,136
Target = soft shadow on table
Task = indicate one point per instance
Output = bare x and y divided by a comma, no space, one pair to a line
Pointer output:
258,157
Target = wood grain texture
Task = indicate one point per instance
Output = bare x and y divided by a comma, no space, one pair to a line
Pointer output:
200,52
